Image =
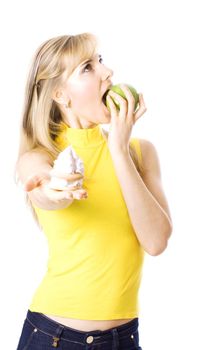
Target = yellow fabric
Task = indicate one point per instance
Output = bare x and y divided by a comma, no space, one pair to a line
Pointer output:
95,260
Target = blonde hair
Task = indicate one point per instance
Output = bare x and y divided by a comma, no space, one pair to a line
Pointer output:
53,61
42,120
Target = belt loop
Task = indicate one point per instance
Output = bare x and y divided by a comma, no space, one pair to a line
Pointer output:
115,340
59,331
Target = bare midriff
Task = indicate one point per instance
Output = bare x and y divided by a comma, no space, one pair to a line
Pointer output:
88,325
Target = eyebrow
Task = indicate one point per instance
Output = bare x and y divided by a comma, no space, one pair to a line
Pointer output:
89,60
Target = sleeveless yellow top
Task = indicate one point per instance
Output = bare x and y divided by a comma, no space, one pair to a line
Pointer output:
95,260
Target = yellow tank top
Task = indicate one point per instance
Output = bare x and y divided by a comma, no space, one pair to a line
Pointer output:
95,260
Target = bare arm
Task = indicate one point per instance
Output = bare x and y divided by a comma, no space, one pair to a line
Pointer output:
145,199
144,196
34,173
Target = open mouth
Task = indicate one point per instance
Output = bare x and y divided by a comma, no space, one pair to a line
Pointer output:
104,97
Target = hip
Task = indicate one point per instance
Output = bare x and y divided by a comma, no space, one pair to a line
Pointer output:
88,325
41,331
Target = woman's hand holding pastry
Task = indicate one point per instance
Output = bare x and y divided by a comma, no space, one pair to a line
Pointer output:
42,181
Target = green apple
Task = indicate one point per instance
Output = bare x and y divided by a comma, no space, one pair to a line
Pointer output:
116,88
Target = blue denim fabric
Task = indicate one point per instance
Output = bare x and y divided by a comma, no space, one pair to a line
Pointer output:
39,332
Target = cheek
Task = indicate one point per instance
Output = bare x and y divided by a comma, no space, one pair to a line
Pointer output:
83,97
81,102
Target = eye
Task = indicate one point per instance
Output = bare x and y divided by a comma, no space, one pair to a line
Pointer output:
87,68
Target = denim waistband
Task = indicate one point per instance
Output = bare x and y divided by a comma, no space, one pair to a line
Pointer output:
60,331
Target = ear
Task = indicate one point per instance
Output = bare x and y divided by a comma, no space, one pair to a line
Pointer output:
59,97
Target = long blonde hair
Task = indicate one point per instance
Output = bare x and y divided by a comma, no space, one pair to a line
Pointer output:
42,120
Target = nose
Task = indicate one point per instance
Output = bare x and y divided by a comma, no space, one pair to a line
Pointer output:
107,73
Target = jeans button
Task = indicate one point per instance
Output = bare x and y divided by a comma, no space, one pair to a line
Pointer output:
89,339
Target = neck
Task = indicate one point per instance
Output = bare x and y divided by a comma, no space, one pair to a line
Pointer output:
77,123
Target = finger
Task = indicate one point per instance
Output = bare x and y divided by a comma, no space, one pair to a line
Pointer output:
112,106
130,98
122,103
67,194
62,185
77,195
68,177
36,180
141,101
73,187
31,183
80,194
57,196
142,108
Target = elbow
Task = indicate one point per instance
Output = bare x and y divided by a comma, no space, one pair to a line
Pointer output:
158,247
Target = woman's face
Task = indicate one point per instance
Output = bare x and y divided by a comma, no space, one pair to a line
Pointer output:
85,88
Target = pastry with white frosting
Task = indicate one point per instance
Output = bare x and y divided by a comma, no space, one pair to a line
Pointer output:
67,162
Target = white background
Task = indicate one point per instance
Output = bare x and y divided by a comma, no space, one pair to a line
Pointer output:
162,48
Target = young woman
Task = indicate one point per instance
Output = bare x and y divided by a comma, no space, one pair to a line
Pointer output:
98,232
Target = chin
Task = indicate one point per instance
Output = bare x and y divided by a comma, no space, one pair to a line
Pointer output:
102,115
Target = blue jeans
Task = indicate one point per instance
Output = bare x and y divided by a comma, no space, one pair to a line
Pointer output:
39,332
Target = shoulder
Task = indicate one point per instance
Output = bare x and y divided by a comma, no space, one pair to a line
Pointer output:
150,158
31,162
36,155
152,174
147,147
145,144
